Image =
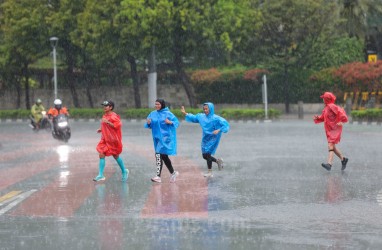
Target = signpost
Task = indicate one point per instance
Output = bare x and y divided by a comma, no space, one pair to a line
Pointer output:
265,96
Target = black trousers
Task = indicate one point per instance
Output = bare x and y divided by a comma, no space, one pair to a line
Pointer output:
209,160
160,158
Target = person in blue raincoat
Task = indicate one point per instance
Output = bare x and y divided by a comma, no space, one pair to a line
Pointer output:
163,125
213,126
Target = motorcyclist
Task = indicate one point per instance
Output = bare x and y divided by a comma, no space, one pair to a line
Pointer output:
58,109
36,111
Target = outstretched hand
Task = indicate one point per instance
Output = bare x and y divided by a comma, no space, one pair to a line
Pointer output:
183,110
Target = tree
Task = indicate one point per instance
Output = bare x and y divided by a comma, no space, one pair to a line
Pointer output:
291,28
63,24
184,30
363,19
110,35
23,35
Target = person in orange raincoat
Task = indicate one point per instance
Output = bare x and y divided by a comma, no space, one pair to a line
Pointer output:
111,140
58,109
333,118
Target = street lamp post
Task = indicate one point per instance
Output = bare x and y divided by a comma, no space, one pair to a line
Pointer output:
53,42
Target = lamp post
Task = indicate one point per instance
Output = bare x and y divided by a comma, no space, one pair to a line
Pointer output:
53,42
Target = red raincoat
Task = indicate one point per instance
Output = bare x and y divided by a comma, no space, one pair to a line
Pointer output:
331,115
111,137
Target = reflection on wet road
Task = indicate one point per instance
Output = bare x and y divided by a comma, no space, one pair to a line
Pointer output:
272,193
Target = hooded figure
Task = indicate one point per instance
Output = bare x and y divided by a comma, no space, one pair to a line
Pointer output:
331,116
209,123
164,135
163,125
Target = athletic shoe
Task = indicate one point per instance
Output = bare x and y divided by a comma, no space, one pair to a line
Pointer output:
220,163
173,176
99,178
156,179
344,162
208,174
125,175
327,166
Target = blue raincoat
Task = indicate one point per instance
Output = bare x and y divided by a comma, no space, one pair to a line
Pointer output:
164,135
209,123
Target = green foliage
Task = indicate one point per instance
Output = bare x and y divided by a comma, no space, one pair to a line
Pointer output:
335,51
367,115
144,112
135,113
240,114
14,114
76,113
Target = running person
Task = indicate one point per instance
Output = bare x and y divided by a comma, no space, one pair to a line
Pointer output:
111,140
213,126
333,117
163,126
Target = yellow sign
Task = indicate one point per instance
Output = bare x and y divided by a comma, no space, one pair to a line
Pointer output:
372,58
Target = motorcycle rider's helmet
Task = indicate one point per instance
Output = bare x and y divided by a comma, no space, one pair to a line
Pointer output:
57,104
38,101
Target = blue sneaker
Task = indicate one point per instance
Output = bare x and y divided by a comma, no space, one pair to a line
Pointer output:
99,178
125,175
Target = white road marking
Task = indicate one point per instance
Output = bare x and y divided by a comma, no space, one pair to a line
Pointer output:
379,198
14,201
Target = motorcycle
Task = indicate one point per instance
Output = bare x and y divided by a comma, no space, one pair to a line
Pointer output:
61,129
43,124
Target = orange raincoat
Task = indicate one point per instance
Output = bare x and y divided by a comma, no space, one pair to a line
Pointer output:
331,115
111,137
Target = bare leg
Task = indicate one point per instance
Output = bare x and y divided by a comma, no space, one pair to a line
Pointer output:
338,152
331,148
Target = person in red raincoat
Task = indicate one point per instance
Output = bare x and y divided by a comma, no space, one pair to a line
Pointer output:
111,140
333,118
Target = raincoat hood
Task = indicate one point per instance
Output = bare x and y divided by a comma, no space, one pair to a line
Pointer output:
328,97
211,108
209,123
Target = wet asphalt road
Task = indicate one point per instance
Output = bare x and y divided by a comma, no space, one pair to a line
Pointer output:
271,194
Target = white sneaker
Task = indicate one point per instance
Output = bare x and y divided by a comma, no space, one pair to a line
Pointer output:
208,174
220,163
99,178
156,179
173,176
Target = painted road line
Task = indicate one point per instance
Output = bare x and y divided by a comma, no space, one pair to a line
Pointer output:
8,196
379,198
19,199
68,191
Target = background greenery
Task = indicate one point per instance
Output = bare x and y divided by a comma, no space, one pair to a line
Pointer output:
110,42
232,114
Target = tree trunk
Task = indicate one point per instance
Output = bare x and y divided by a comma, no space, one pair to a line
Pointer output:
18,90
70,76
183,77
286,88
136,81
26,75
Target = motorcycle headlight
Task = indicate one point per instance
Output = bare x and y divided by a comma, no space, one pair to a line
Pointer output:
62,124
